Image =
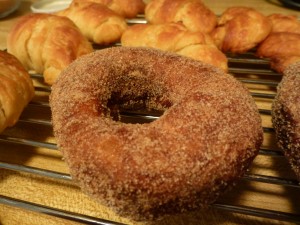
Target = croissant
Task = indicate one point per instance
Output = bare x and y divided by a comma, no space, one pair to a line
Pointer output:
176,38
283,49
240,29
125,8
97,22
16,89
46,43
284,23
193,14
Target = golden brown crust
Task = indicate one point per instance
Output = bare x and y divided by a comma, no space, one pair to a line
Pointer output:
286,115
284,23
46,43
240,29
279,44
16,90
183,160
283,49
280,63
176,38
97,22
193,14
125,8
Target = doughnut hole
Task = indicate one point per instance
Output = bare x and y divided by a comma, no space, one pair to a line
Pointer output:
135,96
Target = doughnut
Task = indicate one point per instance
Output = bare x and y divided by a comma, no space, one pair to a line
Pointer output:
286,116
206,138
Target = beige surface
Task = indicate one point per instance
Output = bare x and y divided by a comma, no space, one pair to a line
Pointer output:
65,195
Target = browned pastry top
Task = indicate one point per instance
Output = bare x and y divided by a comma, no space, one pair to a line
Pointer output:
283,48
193,14
241,29
125,8
176,38
284,23
286,115
97,22
46,43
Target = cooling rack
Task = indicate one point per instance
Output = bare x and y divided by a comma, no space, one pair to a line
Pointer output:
252,71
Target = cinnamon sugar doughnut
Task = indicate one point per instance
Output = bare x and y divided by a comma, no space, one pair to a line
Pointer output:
286,115
208,135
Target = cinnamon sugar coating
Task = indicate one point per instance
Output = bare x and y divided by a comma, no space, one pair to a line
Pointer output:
286,116
205,140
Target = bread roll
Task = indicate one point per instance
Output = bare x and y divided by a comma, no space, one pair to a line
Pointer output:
241,29
193,14
46,43
97,22
284,23
174,37
282,48
125,8
16,89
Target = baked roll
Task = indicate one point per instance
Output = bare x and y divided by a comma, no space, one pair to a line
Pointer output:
282,48
46,43
193,14
16,90
241,29
286,116
174,37
284,23
97,22
125,8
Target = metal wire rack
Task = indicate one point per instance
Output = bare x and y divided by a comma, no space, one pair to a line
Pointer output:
246,67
